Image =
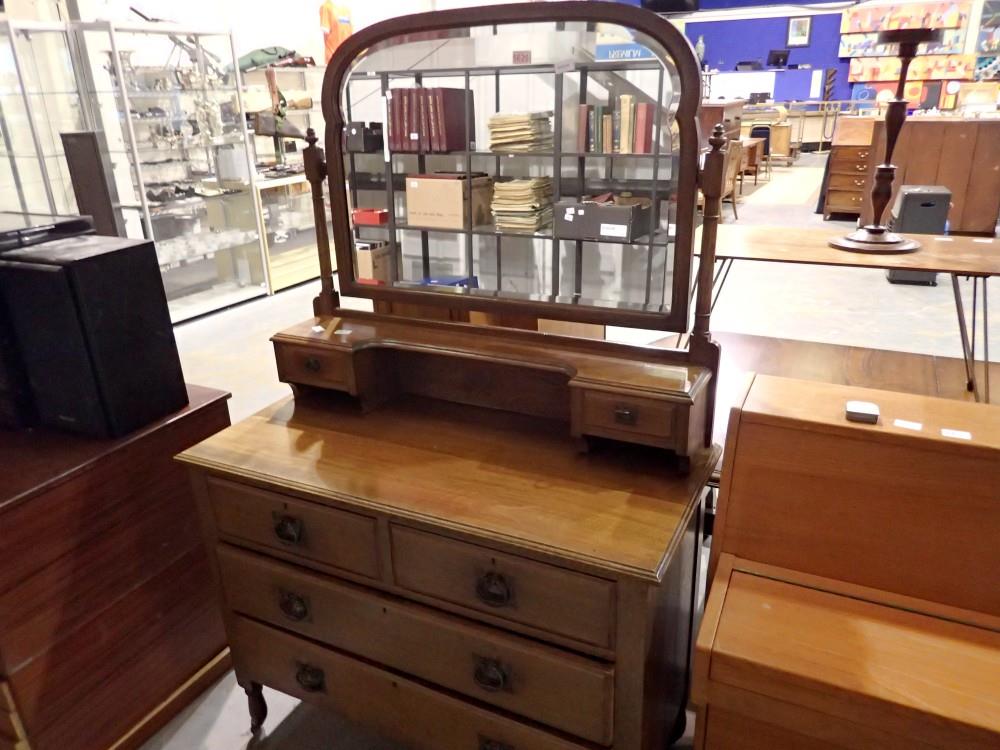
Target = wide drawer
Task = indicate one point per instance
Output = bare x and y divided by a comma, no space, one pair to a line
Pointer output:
313,366
542,596
842,200
850,154
562,690
615,415
846,182
297,528
398,708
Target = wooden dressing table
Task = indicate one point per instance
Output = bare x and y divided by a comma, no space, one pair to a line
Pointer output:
470,536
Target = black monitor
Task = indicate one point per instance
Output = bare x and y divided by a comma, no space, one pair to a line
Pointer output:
777,58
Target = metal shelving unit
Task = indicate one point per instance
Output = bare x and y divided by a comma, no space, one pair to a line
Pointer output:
390,180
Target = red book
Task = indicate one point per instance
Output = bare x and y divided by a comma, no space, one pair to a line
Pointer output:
394,127
425,126
456,111
582,121
644,129
412,122
432,119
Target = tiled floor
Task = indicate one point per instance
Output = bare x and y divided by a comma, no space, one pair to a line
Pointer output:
231,350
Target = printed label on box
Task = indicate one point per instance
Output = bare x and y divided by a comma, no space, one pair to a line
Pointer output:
614,230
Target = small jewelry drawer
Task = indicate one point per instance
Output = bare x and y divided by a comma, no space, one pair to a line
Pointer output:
562,690
296,528
307,365
614,415
850,155
556,600
844,200
846,182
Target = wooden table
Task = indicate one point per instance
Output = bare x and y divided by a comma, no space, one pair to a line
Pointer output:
753,155
977,257
108,620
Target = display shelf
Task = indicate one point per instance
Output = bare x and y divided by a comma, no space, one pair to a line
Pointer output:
660,238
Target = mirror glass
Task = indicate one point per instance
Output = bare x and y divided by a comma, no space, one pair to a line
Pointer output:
532,161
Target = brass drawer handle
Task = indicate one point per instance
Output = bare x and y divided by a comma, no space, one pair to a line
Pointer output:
312,364
491,675
288,528
861,167
862,154
485,743
859,183
494,590
292,605
626,416
310,678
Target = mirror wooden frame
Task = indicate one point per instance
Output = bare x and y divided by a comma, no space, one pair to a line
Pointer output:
643,21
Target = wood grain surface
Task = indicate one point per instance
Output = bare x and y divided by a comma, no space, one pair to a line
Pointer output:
487,474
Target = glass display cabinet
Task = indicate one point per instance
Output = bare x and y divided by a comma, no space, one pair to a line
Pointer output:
290,244
301,88
39,99
169,104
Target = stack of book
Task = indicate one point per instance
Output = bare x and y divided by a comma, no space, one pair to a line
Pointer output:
627,129
521,133
431,120
522,205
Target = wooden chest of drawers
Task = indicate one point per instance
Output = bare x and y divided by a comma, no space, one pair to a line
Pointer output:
454,577
852,160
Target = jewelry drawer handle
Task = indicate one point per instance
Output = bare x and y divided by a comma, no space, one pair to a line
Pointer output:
861,167
859,183
313,364
862,154
485,743
490,675
294,606
625,415
288,528
310,678
494,590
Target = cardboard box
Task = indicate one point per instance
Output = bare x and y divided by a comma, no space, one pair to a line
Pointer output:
370,217
373,261
441,201
586,220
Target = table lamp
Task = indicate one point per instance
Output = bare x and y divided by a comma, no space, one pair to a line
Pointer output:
876,237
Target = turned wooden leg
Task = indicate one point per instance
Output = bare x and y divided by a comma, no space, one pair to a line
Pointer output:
257,706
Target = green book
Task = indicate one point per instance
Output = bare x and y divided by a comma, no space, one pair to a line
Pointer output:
598,127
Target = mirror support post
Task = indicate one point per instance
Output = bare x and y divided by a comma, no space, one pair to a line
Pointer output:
327,302
702,349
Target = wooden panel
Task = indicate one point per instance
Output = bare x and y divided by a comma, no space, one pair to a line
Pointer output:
853,131
395,707
105,485
309,531
501,476
909,674
624,413
920,153
955,167
543,596
313,366
110,673
562,690
981,205
854,183
727,731
76,588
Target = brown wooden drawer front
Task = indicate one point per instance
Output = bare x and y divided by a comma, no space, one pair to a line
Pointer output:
850,155
726,730
840,200
562,690
418,716
313,366
613,413
542,596
309,531
853,183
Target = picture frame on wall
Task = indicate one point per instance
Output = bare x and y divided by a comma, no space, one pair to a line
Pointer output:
799,30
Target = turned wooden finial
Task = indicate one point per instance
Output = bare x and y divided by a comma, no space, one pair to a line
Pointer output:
314,161
711,181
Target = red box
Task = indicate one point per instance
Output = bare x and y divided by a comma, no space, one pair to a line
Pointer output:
370,216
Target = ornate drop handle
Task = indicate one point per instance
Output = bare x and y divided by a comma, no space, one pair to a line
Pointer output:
494,590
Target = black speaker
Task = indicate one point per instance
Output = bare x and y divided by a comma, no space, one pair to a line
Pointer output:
671,6
91,321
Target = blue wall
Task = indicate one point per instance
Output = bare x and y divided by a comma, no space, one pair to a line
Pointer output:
729,42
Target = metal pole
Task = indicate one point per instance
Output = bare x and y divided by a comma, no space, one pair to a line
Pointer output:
31,121
970,369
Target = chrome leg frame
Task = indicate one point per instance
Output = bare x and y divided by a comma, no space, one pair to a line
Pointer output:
969,342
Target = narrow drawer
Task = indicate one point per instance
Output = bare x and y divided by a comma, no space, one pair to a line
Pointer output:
313,366
564,691
611,414
542,596
846,182
307,531
408,712
850,154
842,200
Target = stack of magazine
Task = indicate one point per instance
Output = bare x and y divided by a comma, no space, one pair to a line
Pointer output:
522,205
521,133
